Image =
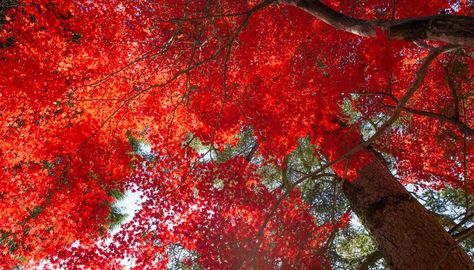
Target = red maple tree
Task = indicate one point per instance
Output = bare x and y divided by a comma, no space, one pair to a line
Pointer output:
84,82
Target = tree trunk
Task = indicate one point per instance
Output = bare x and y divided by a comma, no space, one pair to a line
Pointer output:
407,235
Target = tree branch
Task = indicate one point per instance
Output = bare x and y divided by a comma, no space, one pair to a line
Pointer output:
453,29
460,125
252,152
454,92
463,235
370,260
335,19
462,222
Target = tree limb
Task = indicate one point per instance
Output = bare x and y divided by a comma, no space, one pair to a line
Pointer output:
370,260
460,125
463,235
462,222
453,29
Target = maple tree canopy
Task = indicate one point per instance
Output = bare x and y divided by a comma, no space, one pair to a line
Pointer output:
86,86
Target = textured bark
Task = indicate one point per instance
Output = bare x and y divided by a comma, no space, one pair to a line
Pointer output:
453,29
407,235
447,28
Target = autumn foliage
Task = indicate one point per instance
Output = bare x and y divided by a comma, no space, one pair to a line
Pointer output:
86,83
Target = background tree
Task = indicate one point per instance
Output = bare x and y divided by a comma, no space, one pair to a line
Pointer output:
86,84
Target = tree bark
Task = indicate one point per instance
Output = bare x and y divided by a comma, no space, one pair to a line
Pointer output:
407,235
453,29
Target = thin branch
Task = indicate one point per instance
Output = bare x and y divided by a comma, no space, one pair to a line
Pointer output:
463,235
466,219
460,125
454,92
284,173
252,152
